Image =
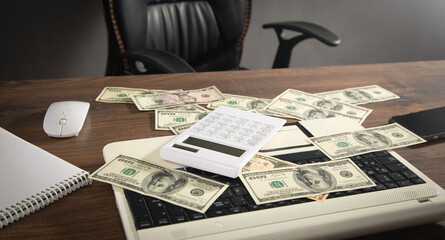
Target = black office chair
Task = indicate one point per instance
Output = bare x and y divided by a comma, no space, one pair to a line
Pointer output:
173,36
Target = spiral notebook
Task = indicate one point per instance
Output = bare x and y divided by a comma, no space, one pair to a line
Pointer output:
31,178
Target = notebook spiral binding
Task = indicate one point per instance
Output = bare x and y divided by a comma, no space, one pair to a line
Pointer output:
43,198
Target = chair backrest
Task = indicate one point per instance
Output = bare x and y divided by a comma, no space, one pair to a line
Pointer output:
207,34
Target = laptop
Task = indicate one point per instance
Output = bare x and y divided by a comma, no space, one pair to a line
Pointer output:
403,197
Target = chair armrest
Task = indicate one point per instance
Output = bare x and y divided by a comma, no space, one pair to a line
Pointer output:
310,29
156,61
307,30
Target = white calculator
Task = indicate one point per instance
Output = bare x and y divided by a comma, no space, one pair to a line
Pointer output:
223,141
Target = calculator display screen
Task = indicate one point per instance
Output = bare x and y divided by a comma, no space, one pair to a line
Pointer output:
214,146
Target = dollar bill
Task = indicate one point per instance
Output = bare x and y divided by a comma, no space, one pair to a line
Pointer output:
360,95
147,102
241,102
165,118
322,103
261,162
302,181
193,107
178,129
302,111
319,197
122,94
176,187
347,144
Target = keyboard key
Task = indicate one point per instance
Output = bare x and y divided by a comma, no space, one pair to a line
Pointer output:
391,185
235,210
226,194
396,167
409,174
282,203
268,205
177,214
238,201
388,159
195,215
404,183
145,224
368,155
217,213
396,176
221,204
370,162
383,178
380,187
252,208
240,191
160,217
381,170
154,203
417,180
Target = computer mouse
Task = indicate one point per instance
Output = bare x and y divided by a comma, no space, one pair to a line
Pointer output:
65,119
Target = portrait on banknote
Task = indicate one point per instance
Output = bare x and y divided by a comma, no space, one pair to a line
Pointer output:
329,105
256,104
176,98
316,114
314,179
372,139
164,182
357,95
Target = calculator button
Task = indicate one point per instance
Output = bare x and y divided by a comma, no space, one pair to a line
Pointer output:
268,126
224,135
211,132
238,139
241,121
197,129
259,135
220,125
244,131
252,143
205,124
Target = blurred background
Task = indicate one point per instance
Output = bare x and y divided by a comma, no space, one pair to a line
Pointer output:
64,39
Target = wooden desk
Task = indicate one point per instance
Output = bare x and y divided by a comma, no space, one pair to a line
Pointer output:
91,213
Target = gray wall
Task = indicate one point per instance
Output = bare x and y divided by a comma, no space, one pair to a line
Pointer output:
61,38
371,31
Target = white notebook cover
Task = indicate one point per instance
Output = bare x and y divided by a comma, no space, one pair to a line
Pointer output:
31,178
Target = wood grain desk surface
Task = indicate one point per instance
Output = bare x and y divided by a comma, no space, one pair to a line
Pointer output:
91,212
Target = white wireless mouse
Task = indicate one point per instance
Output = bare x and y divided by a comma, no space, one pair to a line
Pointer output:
65,119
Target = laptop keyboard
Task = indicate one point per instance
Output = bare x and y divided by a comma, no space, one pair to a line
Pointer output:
384,169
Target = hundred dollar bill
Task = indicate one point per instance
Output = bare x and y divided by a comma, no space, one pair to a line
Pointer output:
360,95
319,197
122,94
260,162
166,118
178,129
347,144
241,102
303,181
177,187
193,107
147,102
322,103
302,111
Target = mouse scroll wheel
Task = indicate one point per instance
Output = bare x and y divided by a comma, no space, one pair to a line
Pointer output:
62,121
